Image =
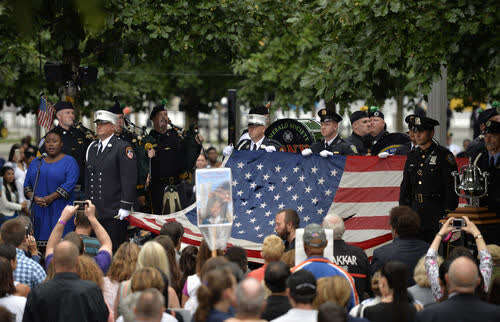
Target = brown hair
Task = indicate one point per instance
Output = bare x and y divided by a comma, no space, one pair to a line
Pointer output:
147,277
291,217
88,270
335,289
218,262
187,262
82,220
6,278
75,239
289,258
204,254
272,248
211,291
404,221
13,232
175,274
124,261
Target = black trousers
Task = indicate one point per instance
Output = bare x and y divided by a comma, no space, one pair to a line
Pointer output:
117,230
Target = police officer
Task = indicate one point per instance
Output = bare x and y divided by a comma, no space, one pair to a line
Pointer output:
173,155
142,161
406,148
382,140
360,137
111,176
332,143
477,145
427,185
257,124
75,140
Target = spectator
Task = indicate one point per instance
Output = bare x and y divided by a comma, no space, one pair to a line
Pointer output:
301,289
28,272
406,247
175,231
334,289
9,253
455,149
175,274
358,310
29,245
212,158
187,265
330,311
351,258
272,250
88,270
83,228
121,269
494,293
150,307
277,302
395,305
314,247
6,315
10,204
56,181
465,146
238,256
421,291
289,258
152,255
194,281
250,301
286,222
66,297
201,161
216,297
103,257
434,271
12,302
461,281
18,164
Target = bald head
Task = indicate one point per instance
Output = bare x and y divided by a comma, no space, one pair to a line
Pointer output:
333,221
65,257
463,276
250,296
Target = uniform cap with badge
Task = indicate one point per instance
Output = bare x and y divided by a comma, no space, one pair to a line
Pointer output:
375,112
492,127
357,116
105,116
410,120
63,106
257,116
157,109
423,123
326,115
485,115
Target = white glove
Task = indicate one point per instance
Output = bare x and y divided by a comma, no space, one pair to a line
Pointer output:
325,153
228,150
269,148
383,155
122,214
306,152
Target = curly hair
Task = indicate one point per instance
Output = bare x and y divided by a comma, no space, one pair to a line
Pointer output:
272,248
147,277
88,270
124,262
335,289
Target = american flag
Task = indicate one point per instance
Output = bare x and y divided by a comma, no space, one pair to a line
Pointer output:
46,113
362,189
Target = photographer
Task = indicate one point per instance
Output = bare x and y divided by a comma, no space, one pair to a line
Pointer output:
431,265
103,256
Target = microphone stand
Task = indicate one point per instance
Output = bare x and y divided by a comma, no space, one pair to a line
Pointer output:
34,187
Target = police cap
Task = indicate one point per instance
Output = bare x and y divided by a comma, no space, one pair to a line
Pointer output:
485,115
377,114
63,106
423,123
358,115
257,115
156,110
329,115
493,127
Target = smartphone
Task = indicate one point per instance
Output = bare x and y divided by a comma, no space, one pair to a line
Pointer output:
458,223
81,205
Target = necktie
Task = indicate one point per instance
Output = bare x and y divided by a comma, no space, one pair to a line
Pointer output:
99,147
253,147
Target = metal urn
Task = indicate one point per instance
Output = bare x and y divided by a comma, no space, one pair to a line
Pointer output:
471,183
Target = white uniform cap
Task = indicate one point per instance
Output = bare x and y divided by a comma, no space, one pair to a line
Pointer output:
257,119
105,116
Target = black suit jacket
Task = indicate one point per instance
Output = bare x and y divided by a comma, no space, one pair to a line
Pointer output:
246,144
407,251
460,308
111,177
66,298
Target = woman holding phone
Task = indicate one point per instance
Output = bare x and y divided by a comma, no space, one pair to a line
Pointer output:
10,205
54,191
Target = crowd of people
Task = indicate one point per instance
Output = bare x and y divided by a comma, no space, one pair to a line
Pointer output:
81,278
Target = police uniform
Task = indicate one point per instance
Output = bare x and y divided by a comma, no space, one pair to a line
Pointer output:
175,156
257,116
427,185
111,177
409,146
385,141
362,143
337,145
477,145
75,142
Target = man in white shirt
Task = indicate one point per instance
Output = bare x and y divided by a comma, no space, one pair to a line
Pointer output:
301,289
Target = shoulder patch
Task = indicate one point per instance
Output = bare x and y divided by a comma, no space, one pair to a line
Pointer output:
354,149
129,152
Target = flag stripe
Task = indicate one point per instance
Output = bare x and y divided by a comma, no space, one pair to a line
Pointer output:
368,222
371,179
374,194
368,164
347,209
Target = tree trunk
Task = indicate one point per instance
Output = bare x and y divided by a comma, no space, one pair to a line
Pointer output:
399,113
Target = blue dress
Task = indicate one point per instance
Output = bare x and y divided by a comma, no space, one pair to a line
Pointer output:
60,176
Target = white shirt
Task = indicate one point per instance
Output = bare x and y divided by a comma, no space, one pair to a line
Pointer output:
104,143
256,146
330,142
164,318
298,315
15,305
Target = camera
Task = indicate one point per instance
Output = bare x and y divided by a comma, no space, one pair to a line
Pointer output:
81,205
458,223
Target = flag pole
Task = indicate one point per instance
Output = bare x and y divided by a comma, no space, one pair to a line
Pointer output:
38,132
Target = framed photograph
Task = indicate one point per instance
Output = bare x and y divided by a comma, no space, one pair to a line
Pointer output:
214,197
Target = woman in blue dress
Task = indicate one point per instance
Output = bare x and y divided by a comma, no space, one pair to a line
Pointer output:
58,175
